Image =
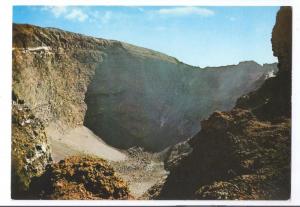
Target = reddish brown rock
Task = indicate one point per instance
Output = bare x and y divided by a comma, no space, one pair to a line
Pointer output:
79,177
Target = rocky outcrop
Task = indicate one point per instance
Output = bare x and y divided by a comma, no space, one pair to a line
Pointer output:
79,178
234,150
244,153
282,39
125,94
273,99
30,148
173,155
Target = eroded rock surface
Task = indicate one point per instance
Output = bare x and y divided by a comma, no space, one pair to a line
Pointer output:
77,178
30,148
173,155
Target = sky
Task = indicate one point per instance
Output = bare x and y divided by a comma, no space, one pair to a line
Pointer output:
199,36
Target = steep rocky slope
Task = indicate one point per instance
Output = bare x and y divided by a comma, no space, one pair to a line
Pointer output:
125,94
30,148
243,153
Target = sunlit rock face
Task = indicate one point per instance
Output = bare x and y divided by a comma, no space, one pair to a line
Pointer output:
125,94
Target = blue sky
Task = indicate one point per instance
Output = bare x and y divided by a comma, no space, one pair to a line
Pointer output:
199,36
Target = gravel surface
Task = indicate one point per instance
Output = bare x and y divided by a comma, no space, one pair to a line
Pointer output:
142,170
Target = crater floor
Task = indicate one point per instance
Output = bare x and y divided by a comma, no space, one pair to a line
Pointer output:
140,169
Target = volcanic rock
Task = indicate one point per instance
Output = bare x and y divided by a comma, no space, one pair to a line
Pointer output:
79,177
30,148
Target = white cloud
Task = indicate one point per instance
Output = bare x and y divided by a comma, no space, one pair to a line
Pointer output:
57,11
74,14
103,17
184,11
